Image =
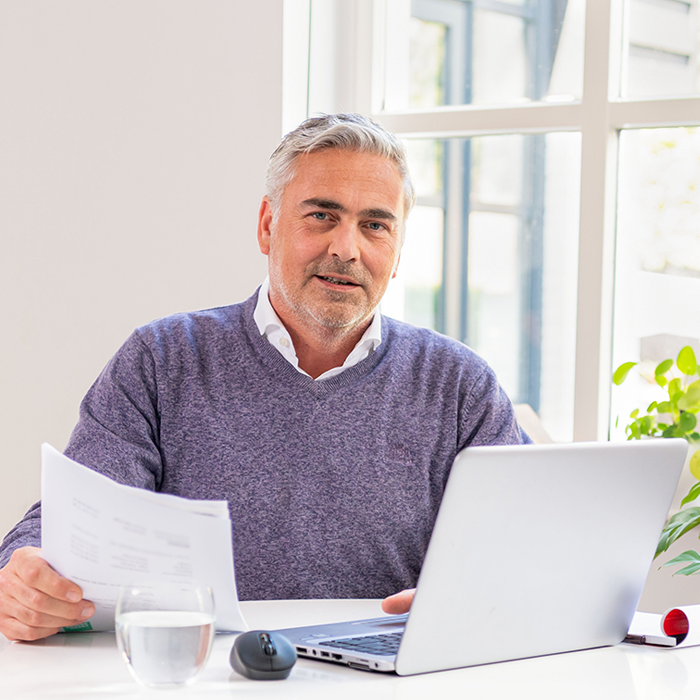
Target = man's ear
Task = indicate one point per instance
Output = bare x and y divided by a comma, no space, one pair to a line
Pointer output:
264,226
396,267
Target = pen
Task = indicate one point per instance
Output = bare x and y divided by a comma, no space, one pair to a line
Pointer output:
650,639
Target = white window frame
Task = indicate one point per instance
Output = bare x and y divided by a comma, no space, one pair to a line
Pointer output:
599,115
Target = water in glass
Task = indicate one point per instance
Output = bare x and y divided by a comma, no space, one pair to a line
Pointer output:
165,632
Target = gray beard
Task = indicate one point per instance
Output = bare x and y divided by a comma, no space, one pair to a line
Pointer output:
346,316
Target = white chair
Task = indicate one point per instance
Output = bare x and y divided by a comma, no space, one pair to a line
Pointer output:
531,424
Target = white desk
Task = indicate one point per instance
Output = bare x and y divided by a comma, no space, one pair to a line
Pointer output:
81,667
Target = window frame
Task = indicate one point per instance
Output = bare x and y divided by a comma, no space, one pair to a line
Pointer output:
599,116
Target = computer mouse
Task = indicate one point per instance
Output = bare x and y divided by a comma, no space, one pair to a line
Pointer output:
263,656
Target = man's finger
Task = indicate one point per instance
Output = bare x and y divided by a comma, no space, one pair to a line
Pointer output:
36,573
36,601
52,616
15,631
399,602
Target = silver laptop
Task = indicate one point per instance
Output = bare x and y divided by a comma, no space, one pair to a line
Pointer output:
536,550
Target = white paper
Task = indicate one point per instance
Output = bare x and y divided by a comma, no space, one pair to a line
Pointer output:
101,535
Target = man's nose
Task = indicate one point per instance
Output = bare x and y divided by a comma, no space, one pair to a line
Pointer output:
345,242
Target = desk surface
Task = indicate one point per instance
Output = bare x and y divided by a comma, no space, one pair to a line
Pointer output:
85,666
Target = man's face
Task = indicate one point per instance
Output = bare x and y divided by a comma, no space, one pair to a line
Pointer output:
335,243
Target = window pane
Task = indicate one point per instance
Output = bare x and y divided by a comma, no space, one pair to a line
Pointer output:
490,258
498,170
427,57
657,276
662,48
494,294
500,61
471,52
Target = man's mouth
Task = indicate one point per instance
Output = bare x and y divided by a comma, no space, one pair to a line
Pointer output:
337,280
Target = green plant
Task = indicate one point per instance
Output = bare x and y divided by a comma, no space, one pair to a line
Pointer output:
674,416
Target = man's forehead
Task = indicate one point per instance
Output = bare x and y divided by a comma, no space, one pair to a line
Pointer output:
332,175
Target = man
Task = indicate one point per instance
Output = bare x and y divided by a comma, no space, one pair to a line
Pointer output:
329,429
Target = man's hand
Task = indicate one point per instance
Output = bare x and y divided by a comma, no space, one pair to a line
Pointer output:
35,601
399,602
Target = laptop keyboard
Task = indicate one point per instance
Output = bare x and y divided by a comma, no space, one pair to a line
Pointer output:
379,644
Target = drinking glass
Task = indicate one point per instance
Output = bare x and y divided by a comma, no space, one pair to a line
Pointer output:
165,632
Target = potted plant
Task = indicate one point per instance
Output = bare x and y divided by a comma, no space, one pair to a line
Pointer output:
674,416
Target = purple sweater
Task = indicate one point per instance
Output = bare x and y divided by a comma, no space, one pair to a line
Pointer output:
333,485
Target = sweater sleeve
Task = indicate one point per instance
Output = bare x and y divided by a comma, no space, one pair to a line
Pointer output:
488,416
27,533
117,433
118,430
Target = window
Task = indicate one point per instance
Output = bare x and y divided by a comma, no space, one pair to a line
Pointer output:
658,258
521,117
490,258
491,252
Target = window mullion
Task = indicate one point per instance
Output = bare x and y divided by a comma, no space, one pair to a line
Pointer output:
642,114
482,121
597,222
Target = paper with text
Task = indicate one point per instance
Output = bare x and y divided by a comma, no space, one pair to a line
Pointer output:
102,535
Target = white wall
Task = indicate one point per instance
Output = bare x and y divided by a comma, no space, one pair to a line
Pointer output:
134,136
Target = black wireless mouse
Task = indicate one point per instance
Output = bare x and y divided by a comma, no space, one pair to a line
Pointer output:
263,656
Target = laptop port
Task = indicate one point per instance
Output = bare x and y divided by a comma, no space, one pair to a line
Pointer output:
325,654
337,657
355,664
302,650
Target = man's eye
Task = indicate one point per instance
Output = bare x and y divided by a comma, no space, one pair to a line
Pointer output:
376,226
320,216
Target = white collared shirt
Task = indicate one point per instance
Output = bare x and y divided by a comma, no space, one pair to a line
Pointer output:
273,329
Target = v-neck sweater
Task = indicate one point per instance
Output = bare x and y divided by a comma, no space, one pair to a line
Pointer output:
333,486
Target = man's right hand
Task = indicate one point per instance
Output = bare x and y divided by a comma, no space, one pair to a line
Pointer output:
35,601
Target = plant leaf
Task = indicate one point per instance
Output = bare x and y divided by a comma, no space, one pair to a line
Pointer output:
686,360
689,555
663,367
634,413
664,407
687,422
676,526
621,372
674,388
651,406
695,464
692,494
661,381
690,401
688,570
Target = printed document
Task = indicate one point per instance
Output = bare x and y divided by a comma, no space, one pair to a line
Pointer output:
101,535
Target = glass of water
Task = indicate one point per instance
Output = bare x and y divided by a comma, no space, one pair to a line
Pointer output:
165,632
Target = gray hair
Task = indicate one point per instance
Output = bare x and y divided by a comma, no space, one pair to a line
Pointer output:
349,132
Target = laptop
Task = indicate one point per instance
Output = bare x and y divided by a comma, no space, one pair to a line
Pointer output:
536,550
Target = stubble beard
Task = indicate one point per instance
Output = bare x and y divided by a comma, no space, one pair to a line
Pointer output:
334,311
